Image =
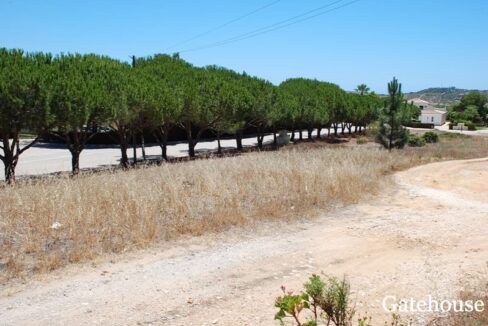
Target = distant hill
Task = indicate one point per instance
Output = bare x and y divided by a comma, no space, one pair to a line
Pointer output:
440,95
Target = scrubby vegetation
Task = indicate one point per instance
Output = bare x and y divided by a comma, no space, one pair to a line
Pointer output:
415,141
472,318
430,137
323,302
327,301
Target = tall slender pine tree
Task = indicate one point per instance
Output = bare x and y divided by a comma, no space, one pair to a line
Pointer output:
391,132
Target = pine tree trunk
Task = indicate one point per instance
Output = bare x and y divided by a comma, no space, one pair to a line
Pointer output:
143,147
260,138
191,141
123,142
161,134
310,131
124,161
75,161
76,142
239,140
164,146
134,149
11,152
319,133
219,147
8,158
9,172
191,148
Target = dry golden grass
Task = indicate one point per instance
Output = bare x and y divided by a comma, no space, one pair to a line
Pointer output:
122,210
473,318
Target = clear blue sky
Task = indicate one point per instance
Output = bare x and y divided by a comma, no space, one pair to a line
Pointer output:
424,43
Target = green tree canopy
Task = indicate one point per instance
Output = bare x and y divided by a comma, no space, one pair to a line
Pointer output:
80,100
162,79
24,103
477,100
362,89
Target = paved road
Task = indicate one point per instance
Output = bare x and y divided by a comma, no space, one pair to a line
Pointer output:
49,158
445,127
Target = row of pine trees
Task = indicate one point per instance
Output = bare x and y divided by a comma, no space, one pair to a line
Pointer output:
74,96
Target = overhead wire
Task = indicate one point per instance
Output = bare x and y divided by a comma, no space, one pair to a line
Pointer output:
276,26
224,24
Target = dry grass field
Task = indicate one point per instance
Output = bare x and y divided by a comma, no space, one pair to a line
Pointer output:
480,292
49,223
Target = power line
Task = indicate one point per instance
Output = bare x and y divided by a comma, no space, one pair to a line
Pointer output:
276,26
224,24
287,20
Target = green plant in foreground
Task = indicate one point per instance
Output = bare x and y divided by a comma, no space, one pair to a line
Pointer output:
323,302
291,305
326,300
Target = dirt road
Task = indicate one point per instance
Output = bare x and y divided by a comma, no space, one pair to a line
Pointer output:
425,235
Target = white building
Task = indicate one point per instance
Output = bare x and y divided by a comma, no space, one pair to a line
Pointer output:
429,114
437,117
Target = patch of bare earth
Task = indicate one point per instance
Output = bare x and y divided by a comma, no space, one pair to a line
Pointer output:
425,236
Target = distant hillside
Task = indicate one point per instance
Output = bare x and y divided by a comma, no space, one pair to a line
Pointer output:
440,95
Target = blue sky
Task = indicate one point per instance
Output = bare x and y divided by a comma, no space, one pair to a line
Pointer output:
424,43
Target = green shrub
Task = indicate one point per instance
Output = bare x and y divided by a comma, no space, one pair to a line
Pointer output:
326,302
415,141
430,137
327,299
468,124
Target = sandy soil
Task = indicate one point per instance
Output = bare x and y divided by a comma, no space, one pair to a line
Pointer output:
424,235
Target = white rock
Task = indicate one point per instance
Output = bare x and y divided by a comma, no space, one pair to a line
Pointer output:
56,225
